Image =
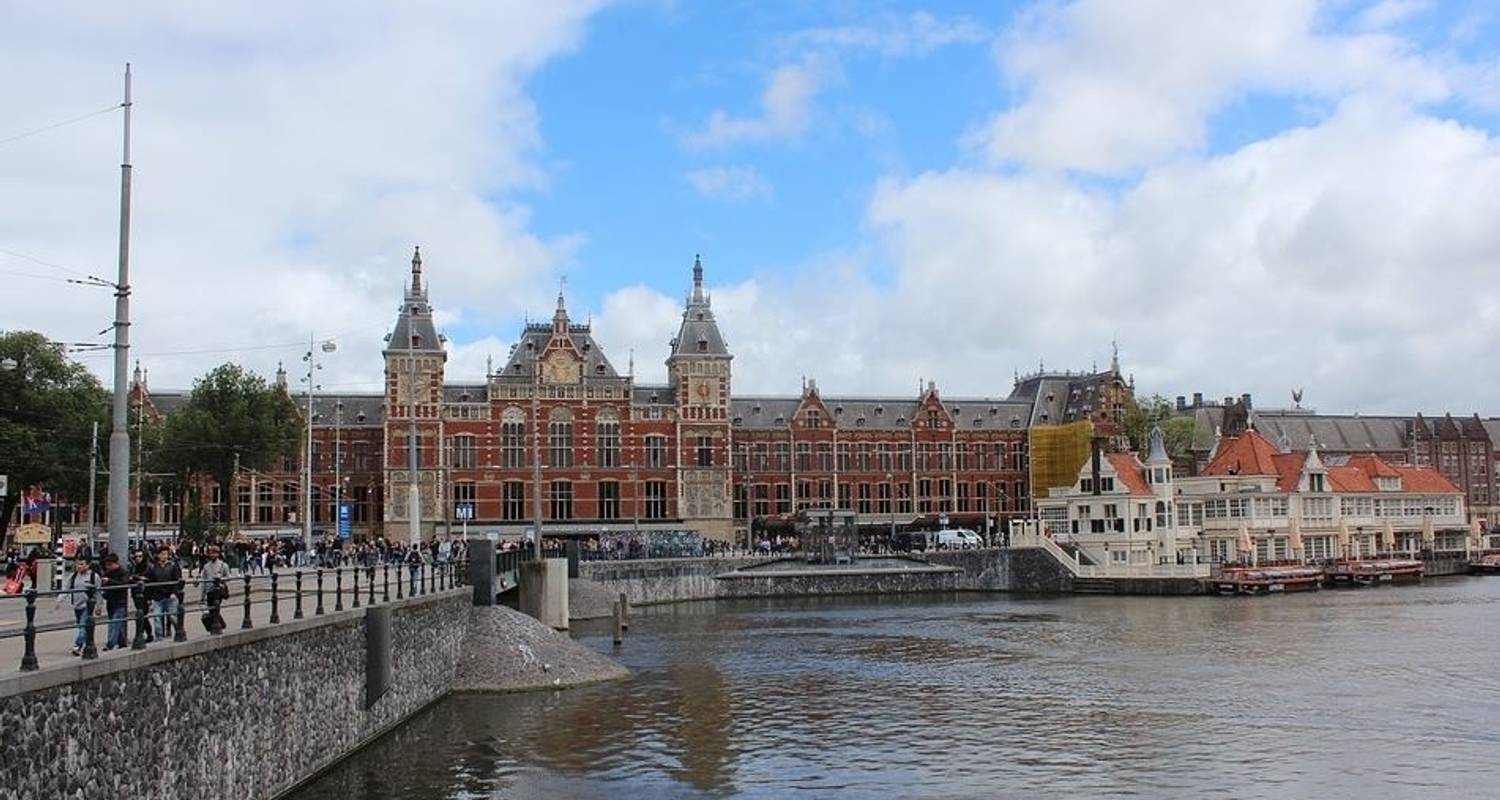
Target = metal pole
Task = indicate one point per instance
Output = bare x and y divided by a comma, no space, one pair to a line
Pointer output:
119,434
338,494
536,463
307,536
413,488
93,473
140,462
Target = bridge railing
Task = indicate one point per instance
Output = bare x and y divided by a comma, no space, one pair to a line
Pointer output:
158,612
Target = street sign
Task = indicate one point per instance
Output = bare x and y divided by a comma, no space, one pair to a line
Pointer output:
346,522
943,519
464,511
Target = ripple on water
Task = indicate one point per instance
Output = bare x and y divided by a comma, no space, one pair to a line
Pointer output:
1365,693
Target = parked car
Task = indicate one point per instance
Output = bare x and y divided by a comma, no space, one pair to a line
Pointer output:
958,539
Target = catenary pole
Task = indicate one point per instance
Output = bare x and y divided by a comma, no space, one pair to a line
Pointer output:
93,474
119,434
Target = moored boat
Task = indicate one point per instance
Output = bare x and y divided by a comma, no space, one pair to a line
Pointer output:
1266,580
1375,572
1486,565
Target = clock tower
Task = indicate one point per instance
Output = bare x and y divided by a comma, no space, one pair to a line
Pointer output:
699,376
414,359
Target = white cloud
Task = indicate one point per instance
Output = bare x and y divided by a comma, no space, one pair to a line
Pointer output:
1354,257
1111,87
729,183
916,34
785,110
1388,13
286,160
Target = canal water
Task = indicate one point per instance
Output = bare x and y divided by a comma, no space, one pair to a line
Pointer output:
1372,693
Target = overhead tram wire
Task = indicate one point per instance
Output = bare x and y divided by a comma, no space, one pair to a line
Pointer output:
59,124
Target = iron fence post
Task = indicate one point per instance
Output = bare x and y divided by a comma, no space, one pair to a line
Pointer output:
142,622
180,635
28,657
370,575
275,595
90,652
319,612
297,592
338,588
354,576
385,587
244,624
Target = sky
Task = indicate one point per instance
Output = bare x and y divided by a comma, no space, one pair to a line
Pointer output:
1246,197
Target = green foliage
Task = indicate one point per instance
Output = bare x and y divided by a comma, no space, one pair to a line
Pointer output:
1156,411
47,407
231,411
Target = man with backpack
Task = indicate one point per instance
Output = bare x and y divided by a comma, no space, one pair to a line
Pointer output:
81,588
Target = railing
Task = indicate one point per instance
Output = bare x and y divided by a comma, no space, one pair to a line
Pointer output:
1143,571
160,610
1068,560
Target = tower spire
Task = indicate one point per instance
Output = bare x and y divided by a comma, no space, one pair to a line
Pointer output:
697,279
416,270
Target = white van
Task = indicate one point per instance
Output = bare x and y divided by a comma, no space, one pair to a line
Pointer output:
958,539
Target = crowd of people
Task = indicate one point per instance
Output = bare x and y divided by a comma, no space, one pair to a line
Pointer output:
157,575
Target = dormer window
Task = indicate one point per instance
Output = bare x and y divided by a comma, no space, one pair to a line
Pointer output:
703,345
700,316
1388,484
530,345
416,340
879,410
360,417
599,369
755,409
978,423
859,422
738,421
1316,482
900,420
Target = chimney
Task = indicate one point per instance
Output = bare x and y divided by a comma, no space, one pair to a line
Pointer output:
1245,400
1097,456
1197,399
1181,403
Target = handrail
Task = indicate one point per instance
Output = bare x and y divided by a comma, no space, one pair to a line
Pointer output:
267,590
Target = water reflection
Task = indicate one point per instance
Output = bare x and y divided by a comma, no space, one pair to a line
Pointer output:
1386,693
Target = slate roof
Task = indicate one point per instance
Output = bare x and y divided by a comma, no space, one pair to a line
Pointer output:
521,365
414,318
1062,398
698,325
359,410
880,413
1338,432
642,394
466,393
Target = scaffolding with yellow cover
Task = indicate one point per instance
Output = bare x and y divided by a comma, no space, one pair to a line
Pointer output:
1058,452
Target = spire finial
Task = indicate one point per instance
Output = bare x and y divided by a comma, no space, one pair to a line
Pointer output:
416,270
489,365
697,278
1114,356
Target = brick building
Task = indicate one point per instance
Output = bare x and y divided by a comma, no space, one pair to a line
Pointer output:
617,454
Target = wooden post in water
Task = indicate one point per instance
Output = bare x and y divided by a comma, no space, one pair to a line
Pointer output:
624,611
619,626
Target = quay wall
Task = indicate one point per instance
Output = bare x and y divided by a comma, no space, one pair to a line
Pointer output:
248,715
679,579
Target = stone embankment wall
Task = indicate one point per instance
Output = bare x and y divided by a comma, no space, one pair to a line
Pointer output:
678,579
245,715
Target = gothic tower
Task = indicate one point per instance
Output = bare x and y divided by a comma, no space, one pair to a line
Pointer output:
698,372
414,359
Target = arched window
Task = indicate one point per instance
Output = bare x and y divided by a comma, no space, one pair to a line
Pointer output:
1161,514
560,437
513,438
608,428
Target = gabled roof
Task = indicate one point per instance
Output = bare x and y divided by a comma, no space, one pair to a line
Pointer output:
537,337
1130,472
1247,454
1425,479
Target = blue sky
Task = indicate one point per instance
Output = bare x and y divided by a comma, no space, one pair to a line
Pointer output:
1243,195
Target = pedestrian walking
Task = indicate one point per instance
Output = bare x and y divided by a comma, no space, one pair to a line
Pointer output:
80,589
213,581
116,600
163,581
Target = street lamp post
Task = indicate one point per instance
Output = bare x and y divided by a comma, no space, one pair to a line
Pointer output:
312,366
890,493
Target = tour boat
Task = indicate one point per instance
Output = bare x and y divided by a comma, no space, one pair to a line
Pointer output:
1486,565
1267,580
1375,571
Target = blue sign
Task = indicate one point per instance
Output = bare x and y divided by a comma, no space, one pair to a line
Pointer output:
345,521
464,511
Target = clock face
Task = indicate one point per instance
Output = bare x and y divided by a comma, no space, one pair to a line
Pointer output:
700,391
560,368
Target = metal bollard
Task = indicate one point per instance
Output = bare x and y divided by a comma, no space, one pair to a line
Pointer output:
275,612
297,591
28,658
89,651
180,635
370,574
400,579
624,610
319,612
355,574
385,590
338,588
244,624
422,577
142,623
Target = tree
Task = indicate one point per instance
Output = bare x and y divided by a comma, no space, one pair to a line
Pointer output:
48,405
231,412
1157,412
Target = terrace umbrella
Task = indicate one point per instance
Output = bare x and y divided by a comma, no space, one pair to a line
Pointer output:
1387,537
1294,538
1246,545
1429,536
1476,536
1344,539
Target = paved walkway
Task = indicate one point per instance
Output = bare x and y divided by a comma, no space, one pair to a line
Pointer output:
55,646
